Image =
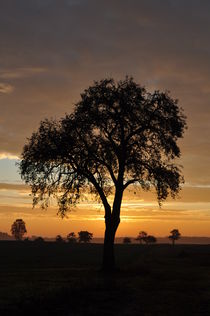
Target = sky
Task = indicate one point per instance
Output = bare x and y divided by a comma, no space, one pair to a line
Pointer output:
52,50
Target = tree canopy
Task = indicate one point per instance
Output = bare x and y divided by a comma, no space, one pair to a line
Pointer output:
149,239
84,236
71,238
18,229
59,239
118,134
142,236
175,235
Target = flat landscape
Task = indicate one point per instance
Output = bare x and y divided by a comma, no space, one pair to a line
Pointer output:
62,279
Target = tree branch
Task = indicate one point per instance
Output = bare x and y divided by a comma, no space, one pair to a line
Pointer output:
129,182
100,191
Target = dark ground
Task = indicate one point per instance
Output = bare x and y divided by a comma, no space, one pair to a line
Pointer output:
63,279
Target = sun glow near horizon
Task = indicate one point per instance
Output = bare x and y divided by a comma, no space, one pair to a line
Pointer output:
140,211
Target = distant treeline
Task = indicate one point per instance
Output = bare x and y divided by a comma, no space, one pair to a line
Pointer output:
119,240
5,236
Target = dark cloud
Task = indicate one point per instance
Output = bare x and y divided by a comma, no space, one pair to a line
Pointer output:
52,50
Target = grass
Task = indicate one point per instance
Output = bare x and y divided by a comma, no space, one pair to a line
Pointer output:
63,279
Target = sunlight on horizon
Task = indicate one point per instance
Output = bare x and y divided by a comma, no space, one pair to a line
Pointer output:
140,211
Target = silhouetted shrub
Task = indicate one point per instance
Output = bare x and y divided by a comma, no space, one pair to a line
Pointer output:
126,240
141,237
85,236
59,239
150,239
39,239
71,238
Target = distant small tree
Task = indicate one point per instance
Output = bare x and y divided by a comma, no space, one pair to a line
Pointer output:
18,229
175,235
85,236
141,236
58,238
127,240
150,239
71,238
39,239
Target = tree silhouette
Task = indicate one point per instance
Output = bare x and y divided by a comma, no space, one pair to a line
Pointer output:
141,237
118,135
175,235
84,236
39,240
18,229
71,238
150,239
126,240
59,239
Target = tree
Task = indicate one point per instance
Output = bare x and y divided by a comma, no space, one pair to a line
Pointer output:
59,239
126,240
175,235
39,240
141,237
118,135
150,239
85,236
18,229
71,237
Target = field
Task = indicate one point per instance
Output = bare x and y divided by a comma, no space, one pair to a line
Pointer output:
64,279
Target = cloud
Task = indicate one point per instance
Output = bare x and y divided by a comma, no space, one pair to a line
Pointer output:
6,88
51,52
8,156
18,73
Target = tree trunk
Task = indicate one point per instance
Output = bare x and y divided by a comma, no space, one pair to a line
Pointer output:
112,221
109,237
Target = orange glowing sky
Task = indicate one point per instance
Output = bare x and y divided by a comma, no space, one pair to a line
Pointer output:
51,51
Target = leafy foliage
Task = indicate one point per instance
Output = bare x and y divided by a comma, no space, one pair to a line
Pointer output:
142,236
18,229
150,239
71,238
119,134
84,236
175,235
